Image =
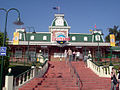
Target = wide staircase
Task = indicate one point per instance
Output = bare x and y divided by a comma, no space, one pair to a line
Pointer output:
89,80
59,77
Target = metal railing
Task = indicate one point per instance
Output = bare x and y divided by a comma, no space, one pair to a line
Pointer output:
75,75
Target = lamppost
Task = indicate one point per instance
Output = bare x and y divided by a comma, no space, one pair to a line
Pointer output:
111,56
18,22
29,41
98,60
99,39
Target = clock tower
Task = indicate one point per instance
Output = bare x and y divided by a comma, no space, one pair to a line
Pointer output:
59,29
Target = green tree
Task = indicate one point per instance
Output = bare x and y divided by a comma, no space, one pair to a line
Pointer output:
1,39
6,58
114,31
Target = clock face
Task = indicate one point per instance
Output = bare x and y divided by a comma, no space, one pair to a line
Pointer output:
59,22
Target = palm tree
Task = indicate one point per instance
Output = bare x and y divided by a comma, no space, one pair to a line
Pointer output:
114,31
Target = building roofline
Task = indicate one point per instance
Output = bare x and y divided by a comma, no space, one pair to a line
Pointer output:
82,33
55,43
38,32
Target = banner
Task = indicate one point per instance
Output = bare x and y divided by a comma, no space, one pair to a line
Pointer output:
16,38
112,39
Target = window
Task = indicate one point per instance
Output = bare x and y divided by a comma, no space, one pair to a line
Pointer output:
73,38
32,38
18,53
85,38
98,53
97,37
31,56
20,36
44,37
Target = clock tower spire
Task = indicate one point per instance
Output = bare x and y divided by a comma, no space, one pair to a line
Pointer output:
59,27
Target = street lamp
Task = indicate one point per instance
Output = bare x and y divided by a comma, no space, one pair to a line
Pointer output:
29,41
18,22
98,59
111,56
98,49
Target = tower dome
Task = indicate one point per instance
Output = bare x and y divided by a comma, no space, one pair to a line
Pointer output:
59,20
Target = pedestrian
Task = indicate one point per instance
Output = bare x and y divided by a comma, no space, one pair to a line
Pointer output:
70,54
118,77
85,60
77,56
74,56
65,55
89,55
113,79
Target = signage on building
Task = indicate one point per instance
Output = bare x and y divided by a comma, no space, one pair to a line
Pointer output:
16,38
78,47
43,46
112,39
61,39
60,36
58,55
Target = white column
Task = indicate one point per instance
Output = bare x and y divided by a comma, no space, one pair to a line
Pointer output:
101,71
110,67
88,63
9,81
33,67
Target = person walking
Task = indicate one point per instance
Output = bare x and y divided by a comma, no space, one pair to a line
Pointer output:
118,77
74,56
70,54
65,54
77,56
113,79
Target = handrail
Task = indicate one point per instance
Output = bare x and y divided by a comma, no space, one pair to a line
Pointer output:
74,72
23,78
23,72
30,74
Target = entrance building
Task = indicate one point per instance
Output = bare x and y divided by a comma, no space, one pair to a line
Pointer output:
52,44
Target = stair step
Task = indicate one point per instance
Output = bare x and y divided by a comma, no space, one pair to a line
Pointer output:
58,77
45,88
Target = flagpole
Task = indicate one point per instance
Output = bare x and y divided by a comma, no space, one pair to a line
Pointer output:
58,9
58,4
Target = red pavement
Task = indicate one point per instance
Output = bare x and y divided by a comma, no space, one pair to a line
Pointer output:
89,80
58,77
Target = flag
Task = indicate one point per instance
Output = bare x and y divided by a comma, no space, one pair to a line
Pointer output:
95,26
112,39
90,30
56,8
16,38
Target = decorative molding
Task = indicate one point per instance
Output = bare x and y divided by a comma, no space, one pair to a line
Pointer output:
67,44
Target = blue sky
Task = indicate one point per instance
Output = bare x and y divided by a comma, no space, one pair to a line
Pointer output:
81,15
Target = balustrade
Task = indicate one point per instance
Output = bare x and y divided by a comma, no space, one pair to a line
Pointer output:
29,74
99,70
